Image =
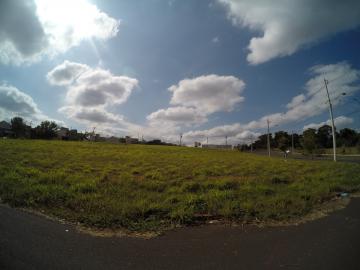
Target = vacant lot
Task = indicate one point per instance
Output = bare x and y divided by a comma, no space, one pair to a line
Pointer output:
143,188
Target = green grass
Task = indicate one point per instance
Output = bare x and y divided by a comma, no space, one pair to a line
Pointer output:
144,188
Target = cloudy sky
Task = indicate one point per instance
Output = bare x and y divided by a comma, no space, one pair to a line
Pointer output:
160,68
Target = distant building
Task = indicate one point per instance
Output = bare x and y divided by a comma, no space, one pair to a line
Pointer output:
197,144
5,129
73,135
217,146
69,134
62,133
129,140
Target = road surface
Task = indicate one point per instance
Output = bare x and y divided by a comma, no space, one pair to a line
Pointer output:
29,242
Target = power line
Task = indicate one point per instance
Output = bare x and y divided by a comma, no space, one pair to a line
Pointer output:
322,87
332,119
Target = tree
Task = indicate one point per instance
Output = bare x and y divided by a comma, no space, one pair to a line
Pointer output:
297,140
282,140
309,140
261,142
18,126
348,137
46,130
324,136
283,143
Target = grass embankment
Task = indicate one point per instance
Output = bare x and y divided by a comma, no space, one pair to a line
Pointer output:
154,187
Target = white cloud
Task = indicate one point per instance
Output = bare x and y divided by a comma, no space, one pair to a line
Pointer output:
176,116
340,122
289,25
14,102
66,73
91,92
91,115
208,94
195,99
98,87
342,79
34,28
235,133
21,33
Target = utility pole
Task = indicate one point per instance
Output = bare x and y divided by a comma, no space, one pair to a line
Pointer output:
251,145
268,137
292,142
332,119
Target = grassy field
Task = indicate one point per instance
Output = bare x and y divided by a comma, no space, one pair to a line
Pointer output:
144,188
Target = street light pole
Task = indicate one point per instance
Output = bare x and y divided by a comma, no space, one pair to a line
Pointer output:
251,145
268,138
332,119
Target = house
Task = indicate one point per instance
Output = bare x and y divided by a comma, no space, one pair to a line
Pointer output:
130,140
197,144
73,135
63,133
5,129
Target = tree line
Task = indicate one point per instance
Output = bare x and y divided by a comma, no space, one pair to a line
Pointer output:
49,130
311,140
45,130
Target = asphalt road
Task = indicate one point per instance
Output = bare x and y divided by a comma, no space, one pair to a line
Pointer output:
29,242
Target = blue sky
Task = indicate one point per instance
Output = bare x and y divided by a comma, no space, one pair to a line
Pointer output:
232,65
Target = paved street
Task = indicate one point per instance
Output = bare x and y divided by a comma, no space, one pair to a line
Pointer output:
31,242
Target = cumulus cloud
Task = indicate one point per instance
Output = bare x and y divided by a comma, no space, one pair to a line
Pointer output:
342,79
91,115
235,134
66,73
98,87
340,122
90,92
177,116
195,99
21,33
34,28
209,94
14,102
289,25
